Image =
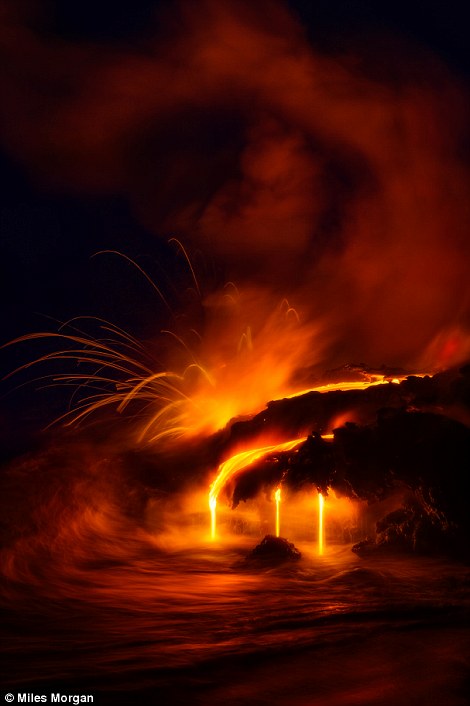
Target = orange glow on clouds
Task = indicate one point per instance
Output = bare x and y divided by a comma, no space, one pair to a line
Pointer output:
338,182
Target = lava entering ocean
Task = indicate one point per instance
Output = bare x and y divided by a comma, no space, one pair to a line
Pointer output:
226,508
100,526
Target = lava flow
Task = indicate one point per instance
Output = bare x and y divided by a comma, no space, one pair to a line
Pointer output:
320,523
242,460
238,463
277,498
228,506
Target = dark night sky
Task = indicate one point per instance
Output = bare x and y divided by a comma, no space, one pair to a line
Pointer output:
47,236
49,231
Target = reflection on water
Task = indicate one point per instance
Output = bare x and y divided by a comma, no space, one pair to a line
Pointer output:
95,599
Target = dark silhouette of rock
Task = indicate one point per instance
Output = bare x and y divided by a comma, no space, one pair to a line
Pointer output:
272,551
417,440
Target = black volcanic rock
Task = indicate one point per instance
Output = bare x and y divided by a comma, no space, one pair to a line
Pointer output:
314,411
425,454
272,551
411,531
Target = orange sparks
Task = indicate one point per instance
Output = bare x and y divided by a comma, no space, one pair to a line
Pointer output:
112,370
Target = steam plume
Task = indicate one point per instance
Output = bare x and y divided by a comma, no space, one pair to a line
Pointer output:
337,182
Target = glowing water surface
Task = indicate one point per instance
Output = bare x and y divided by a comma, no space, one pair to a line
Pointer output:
192,624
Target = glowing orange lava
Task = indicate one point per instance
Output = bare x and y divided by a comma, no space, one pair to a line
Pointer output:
209,384
374,379
213,509
239,462
244,459
321,503
277,497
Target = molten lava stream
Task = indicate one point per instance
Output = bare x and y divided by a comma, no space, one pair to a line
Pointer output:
320,523
241,461
277,497
237,463
213,509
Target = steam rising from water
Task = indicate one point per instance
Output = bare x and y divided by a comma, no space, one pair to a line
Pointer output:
334,186
98,593
337,182
77,506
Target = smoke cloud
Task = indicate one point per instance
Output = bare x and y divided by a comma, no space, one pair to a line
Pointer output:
336,181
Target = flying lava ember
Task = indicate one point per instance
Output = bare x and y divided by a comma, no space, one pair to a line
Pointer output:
249,464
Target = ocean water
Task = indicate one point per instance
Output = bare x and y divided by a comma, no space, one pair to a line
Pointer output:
111,588
136,619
